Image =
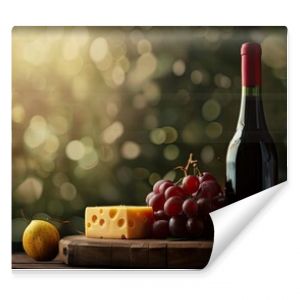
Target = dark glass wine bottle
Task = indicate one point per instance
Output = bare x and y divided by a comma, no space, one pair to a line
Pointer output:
251,162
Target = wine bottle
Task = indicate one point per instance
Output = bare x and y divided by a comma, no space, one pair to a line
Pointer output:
251,161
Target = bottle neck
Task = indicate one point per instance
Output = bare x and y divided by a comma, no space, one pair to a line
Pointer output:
251,111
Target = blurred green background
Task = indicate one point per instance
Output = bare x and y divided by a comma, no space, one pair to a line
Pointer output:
99,114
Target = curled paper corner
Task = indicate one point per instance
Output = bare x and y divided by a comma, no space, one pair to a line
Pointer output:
230,221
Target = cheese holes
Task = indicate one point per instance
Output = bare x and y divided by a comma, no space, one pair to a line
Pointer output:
94,218
123,236
89,224
130,223
100,211
112,213
121,222
102,222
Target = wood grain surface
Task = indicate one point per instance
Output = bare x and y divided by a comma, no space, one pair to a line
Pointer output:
80,251
22,261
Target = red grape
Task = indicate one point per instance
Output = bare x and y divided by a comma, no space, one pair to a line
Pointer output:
206,177
219,202
209,189
183,210
174,191
157,202
163,186
190,184
149,196
160,215
177,226
203,206
157,184
160,229
195,227
173,206
190,208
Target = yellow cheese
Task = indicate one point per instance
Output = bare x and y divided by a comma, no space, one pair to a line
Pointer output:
118,222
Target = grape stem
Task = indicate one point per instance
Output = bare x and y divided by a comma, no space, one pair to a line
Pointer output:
190,162
179,180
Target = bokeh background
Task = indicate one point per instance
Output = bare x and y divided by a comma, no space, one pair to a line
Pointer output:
99,114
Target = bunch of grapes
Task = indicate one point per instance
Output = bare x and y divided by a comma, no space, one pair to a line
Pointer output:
181,209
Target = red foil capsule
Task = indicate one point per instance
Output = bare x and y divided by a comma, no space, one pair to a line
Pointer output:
251,64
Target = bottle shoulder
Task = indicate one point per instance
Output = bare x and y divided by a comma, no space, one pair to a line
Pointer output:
250,142
252,135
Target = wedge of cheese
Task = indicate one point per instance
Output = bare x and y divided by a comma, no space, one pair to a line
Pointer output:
118,222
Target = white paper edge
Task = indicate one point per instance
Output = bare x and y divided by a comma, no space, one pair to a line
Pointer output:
231,220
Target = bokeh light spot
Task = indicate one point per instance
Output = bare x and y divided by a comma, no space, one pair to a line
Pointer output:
118,75
213,130
112,109
106,63
154,177
75,150
274,51
51,145
58,124
112,132
106,153
124,63
98,49
89,160
171,152
130,150
197,77
29,191
179,67
192,133
212,35
70,49
207,154
158,136
68,191
152,92
211,110
81,35
222,81
36,134
36,52
146,65
171,175
18,113
171,134
59,178
144,46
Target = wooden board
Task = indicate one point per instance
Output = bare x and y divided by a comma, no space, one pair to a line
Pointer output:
23,261
81,251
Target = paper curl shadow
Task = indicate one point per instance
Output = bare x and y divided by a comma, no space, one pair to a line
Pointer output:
230,221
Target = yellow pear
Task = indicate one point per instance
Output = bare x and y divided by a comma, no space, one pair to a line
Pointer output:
40,240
